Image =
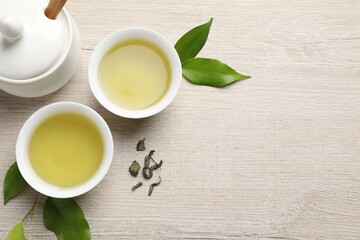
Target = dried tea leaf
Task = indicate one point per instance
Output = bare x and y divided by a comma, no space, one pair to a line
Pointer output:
147,172
151,188
140,146
156,165
134,168
139,184
147,169
148,158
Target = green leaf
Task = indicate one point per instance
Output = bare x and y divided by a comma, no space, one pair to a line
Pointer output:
210,72
13,183
65,218
189,45
17,233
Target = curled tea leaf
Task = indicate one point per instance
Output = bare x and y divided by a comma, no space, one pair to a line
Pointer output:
151,188
139,184
17,233
147,172
134,168
66,219
189,45
13,183
147,169
148,158
140,146
210,72
156,165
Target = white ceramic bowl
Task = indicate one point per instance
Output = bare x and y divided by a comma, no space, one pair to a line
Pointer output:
24,137
135,33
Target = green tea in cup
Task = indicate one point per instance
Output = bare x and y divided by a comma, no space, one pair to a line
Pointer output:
66,149
135,74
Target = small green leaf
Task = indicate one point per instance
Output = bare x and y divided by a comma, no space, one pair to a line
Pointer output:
17,233
13,183
65,218
189,45
210,72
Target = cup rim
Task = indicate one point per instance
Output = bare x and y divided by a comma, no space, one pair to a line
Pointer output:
26,169
135,33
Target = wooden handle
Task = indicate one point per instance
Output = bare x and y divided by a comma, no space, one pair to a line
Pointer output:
54,8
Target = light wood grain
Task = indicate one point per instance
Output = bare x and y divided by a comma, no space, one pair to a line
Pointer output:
273,157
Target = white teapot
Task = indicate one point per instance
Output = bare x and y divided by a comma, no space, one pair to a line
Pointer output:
39,47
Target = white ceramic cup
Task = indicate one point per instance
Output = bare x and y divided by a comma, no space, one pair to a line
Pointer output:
22,156
135,33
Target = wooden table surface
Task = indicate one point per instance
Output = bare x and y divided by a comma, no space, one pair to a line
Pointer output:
273,157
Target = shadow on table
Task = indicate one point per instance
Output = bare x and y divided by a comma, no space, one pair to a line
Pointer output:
10,101
12,106
18,109
127,127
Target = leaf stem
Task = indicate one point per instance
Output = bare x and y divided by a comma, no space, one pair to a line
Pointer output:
32,209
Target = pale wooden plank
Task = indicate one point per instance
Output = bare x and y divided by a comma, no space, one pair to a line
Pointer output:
274,157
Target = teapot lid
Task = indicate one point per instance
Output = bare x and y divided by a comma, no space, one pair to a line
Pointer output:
30,43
